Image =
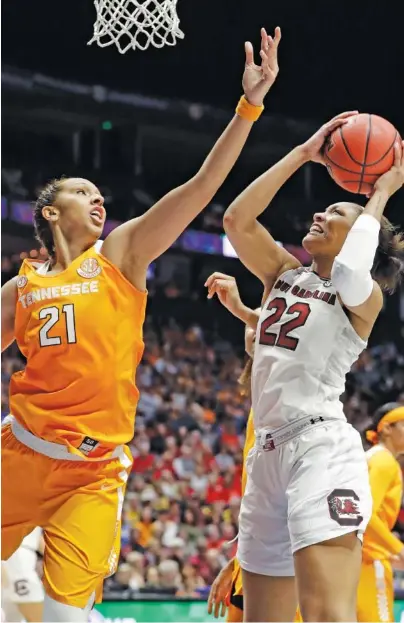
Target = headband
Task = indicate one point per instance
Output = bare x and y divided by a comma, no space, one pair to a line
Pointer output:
391,417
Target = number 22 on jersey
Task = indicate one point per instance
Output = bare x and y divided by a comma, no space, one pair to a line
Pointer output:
281,338
64,322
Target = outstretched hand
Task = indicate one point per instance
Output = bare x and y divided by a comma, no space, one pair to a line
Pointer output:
313,148
258,79
221,587
225,287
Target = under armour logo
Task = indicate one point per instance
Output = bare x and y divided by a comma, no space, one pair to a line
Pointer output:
314,420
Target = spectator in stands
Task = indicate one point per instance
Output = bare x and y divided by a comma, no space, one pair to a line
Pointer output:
169,577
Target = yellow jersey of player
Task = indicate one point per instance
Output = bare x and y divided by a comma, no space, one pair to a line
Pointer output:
249,444
81,332
387,489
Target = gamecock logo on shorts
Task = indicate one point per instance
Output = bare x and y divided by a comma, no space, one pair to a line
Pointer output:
89,269
344,507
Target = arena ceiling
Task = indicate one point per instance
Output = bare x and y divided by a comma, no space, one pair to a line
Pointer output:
334,55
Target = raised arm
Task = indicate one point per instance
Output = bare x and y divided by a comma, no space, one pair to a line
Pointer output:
135,244
8,302
254,245
351,272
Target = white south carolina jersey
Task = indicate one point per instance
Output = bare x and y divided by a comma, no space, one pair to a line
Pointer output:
305,345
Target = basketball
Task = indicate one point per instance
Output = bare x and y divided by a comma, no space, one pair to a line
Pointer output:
357,153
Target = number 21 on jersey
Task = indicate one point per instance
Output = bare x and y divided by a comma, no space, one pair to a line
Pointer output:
65,321
281,338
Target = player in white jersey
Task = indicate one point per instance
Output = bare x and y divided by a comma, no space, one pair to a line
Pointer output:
22,590
307,497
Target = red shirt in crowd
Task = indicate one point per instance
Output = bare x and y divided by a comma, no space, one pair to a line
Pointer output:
143,463
217,492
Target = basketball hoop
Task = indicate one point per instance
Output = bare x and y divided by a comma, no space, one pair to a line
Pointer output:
136,24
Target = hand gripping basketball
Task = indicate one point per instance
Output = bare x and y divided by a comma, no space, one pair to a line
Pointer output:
313,148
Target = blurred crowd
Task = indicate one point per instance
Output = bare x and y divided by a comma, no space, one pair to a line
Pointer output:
182,502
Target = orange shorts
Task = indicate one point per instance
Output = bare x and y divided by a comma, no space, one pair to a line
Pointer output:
376,592
79,506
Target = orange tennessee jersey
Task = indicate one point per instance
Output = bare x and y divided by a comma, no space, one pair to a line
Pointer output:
387,490
81,332
249,443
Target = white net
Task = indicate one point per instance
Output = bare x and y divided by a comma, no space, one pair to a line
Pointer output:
136,24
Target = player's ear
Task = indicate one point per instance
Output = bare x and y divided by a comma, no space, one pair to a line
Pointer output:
387,429
50,213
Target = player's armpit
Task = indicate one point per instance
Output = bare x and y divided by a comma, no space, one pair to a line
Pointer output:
8,301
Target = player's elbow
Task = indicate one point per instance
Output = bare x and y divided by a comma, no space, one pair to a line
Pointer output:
340,272
233,221
7,338
353,285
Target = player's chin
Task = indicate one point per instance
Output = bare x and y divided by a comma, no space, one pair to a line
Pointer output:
96,229
312,242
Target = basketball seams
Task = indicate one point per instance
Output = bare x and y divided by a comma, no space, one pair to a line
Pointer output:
341,168
347,148
368,135
371,164
368,164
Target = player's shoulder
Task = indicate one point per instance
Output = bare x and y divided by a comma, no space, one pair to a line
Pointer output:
10,288
378,456
292,271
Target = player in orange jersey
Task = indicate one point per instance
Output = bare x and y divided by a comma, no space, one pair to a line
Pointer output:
78,321
380,546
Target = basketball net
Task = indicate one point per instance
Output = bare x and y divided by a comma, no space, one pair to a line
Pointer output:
136,24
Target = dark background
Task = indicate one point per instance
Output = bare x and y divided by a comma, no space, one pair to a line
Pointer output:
334,55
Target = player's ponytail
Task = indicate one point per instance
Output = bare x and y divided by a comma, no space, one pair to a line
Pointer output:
388,267
43,232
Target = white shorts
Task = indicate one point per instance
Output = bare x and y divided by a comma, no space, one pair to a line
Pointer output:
23,584
309,489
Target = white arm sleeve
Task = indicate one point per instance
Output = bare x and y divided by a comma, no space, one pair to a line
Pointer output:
350,273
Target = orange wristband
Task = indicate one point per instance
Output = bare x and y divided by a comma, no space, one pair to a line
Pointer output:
247,111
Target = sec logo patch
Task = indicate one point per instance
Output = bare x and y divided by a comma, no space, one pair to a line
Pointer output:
89,269
22,281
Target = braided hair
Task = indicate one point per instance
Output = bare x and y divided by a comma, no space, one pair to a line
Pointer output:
46,197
